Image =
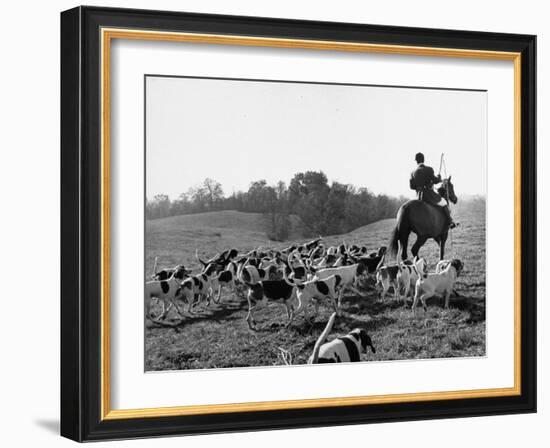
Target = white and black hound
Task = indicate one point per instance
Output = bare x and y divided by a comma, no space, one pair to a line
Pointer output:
225,278
261,293
417,268
346,348
166,291
194,289
348,275
396,276
248,273
316,291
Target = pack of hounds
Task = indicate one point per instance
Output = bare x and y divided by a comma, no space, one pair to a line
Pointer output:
300,277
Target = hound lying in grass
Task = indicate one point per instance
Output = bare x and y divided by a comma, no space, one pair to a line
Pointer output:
440,284
347,348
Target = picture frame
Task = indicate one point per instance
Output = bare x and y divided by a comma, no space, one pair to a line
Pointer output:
86,37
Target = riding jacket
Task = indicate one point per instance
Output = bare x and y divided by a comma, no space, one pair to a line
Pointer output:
422,181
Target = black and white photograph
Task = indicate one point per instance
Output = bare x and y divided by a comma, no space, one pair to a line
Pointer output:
292,223
246,196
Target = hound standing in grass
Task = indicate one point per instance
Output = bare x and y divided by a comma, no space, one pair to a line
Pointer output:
196,288
261,293
417,268
396,276
315,291
166,291
440,284
348,275
347,348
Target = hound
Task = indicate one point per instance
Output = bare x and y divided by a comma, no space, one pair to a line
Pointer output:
251,274
223,279
347,348
441,284
395,276
442,265
317,252
166,273
261,293
325,262
220,261
307,247
417,268
270,266
166,291
371,261
314,291
348,274
298,271
379,253
332,250
195,288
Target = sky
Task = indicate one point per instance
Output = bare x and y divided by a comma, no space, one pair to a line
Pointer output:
238,131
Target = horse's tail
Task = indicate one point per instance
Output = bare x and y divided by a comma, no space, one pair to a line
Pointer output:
394,241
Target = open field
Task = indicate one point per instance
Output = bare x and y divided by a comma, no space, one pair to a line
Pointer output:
219,336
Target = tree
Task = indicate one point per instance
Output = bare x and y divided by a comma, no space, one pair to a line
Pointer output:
213,193
307,197
159,207
335,209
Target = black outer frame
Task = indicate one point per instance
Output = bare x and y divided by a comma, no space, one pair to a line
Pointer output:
80,223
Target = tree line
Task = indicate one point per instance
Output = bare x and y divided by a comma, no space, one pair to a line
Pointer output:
323,208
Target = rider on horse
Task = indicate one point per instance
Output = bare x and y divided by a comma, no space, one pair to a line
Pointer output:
422,181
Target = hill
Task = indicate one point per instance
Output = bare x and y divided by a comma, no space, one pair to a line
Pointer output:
174,239
219,337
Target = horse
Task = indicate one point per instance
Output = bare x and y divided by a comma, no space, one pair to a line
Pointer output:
425,220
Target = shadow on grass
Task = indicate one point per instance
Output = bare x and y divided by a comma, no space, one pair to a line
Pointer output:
371,325
473,305
215,313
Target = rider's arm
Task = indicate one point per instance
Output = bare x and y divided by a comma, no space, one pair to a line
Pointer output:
435,179
412,183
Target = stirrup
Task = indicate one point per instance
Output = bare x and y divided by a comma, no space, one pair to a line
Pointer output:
453,224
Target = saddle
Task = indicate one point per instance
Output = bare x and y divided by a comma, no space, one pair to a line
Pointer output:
429,196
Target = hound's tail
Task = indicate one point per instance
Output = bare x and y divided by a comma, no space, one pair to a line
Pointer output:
380,263
321,340
240,269
155,267
198,259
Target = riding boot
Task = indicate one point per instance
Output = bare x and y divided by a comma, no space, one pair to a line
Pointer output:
450,221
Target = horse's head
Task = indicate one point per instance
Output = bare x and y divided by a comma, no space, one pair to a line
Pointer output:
447,190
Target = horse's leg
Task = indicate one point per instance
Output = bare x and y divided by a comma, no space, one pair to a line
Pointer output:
442,241
420,240
404,241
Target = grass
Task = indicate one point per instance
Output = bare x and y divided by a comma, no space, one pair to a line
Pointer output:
218,337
